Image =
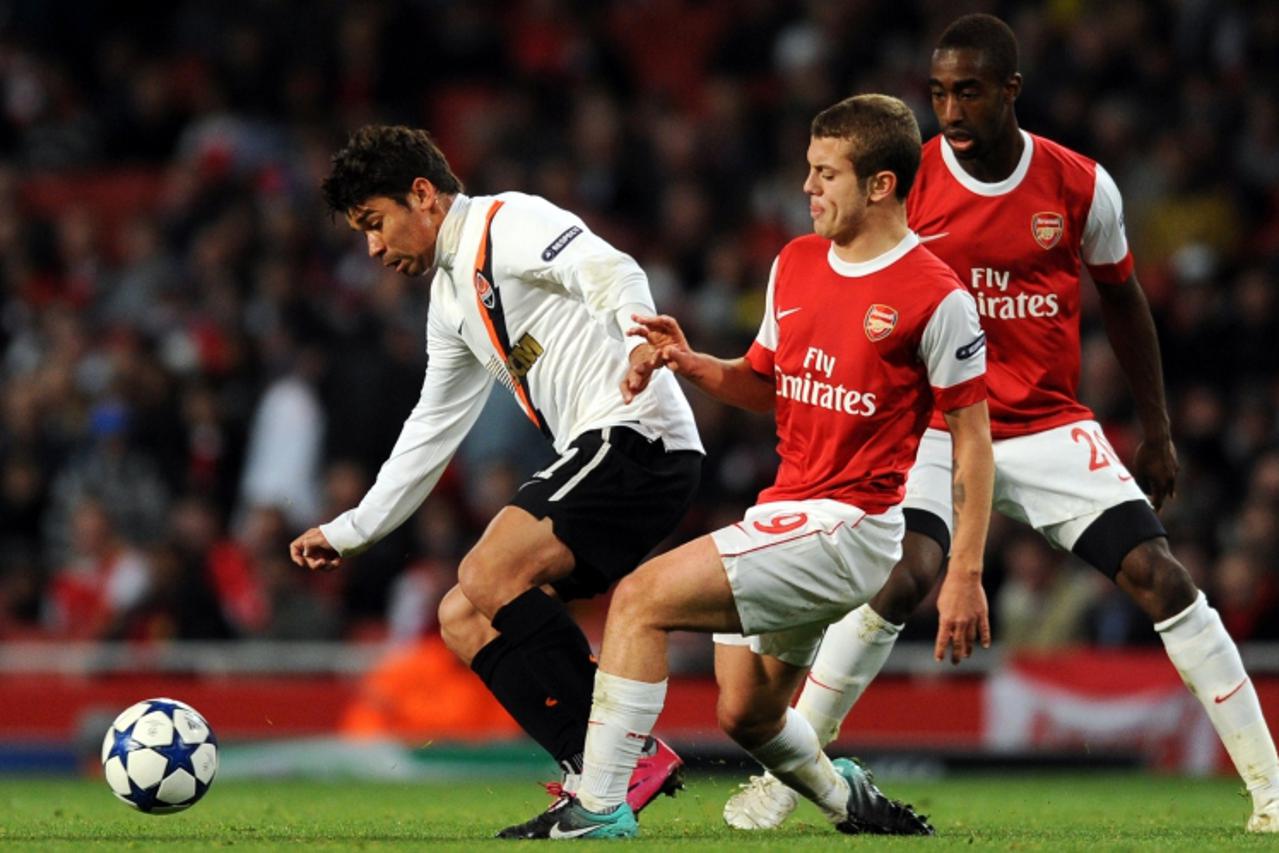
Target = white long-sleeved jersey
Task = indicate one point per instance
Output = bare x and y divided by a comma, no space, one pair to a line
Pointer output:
526,294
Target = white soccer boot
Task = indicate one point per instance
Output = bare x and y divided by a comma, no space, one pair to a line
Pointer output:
1264,819
761,803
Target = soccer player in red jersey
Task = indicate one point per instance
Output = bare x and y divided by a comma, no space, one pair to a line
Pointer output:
1015,215
865,332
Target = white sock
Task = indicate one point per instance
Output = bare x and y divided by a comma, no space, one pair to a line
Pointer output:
852,654
1209,663
795,757
622,715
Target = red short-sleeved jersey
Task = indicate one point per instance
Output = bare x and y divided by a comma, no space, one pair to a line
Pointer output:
862,354
1018,246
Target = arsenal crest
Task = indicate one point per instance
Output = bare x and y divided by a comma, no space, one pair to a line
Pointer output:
880,321
484,290
1047,228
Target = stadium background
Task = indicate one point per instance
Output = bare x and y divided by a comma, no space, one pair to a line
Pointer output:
197,362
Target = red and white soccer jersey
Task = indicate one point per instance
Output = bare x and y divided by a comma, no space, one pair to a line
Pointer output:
862,353
1018,245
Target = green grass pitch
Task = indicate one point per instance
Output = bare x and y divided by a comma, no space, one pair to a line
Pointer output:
1018,812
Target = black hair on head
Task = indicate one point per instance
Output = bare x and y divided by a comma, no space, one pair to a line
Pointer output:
384,160
987,34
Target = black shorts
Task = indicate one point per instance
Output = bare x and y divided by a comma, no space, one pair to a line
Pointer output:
1118,530
611,497
925,523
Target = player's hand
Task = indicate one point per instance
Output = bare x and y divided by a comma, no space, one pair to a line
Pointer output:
963,616
1155,467
664,346
312,551
660,332
667,338
644,360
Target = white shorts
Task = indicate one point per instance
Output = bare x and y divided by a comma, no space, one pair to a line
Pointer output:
928,485
797,566
1058,481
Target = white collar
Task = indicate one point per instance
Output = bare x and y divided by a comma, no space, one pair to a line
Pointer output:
973,185
450,234
857,269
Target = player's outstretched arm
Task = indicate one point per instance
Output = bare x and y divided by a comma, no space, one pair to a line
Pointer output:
1125,313
732,381
961,605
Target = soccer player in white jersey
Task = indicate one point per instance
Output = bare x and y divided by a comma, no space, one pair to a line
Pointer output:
521,292
864,333
1015,215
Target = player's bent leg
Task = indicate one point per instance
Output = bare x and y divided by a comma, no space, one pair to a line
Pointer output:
538,665
1196,642
762,802
855,648
915,575
1155,581
464,629
516,553
754,692
686,589
779,738
754,710
852,654
536,662
1208,660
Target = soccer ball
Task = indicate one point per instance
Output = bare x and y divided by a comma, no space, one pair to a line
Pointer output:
160,756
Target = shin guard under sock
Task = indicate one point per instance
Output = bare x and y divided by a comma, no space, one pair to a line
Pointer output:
540,668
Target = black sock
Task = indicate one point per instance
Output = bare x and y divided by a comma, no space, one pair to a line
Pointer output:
540,668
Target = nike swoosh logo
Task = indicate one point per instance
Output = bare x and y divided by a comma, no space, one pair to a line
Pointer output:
556,832
788,312
928,238
1238,687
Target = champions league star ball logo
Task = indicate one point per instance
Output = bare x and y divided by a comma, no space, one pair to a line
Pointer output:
880,321
484,290
1047,228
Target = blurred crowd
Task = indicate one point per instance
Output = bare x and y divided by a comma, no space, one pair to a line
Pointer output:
197,361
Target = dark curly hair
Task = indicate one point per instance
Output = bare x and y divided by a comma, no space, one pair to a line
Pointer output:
384,160
883,133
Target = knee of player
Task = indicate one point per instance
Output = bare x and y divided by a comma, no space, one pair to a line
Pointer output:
455,613
478,577
740,718
731,714
633,601
464,629
1150,569
909,583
